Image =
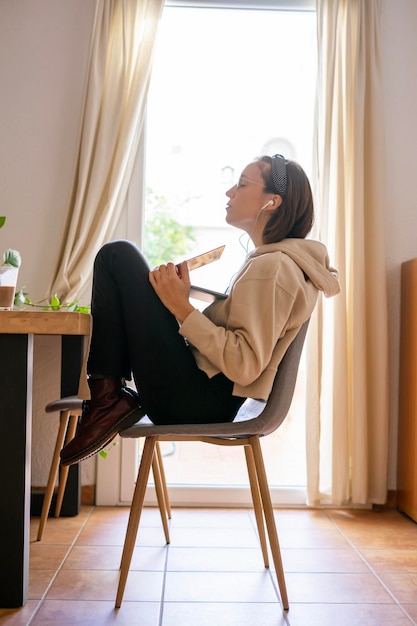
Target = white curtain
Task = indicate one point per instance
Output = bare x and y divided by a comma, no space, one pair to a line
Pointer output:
120,63
347,406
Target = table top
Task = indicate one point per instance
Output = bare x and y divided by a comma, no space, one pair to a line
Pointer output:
44,323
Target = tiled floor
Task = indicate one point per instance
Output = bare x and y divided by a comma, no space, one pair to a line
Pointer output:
343,567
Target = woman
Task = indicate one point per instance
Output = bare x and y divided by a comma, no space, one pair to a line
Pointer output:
191,366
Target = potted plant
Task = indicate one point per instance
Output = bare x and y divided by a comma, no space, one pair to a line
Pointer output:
8,275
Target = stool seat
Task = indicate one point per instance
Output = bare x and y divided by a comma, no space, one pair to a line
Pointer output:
69,403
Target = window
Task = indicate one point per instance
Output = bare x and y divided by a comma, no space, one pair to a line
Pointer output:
227,85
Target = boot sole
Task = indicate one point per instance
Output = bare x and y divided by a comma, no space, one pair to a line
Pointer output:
125,422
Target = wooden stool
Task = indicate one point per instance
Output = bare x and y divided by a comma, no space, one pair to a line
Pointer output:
70,409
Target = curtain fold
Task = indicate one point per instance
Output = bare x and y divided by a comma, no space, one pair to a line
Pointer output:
347,391
122,47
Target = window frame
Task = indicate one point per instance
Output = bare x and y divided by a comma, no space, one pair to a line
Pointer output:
112,488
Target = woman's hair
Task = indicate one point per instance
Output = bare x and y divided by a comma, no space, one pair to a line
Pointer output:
295,215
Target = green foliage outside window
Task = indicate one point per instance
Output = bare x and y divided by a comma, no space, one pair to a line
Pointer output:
165,239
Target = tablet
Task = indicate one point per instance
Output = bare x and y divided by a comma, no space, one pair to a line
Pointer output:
207,295
205,258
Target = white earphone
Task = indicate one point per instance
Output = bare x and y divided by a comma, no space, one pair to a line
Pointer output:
265,205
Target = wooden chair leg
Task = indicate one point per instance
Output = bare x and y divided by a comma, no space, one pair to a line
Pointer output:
72,427
257,504
53,472
135,514
269,518
160,494
163,480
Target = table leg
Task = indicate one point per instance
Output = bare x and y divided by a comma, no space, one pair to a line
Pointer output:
72,359
16,368
72,356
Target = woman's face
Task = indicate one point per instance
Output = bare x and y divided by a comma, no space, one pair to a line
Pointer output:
246,207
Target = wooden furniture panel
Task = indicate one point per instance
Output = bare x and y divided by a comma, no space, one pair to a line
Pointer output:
407,433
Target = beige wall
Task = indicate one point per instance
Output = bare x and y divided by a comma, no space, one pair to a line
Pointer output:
43,59
44,48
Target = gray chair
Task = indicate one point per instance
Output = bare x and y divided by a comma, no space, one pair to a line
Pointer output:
254,420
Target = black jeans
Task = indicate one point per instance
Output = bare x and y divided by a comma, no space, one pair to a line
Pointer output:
134,333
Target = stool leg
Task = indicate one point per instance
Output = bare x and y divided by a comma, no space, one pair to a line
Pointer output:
63,423
72,427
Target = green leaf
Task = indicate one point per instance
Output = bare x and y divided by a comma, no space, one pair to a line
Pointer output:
103,454
2,221
21,298
12,257
55,303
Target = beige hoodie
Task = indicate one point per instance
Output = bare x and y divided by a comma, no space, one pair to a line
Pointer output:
246,335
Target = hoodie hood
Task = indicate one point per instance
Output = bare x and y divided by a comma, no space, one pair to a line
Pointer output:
312,257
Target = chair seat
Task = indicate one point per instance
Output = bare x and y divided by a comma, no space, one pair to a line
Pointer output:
243,425
246,423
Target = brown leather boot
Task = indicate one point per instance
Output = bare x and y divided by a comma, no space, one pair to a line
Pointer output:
112,408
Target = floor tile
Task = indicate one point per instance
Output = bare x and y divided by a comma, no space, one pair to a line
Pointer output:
120,516
391,560
18,617
88,613
304,538
384,529
215,559
47,556
39,582
343,560
369,519
346,615
61,530
300,518
402,586
102,585
57,534
89,558
114,535
110,515
224,614
212,518
219,587
411,610
102,535
214,537
336,589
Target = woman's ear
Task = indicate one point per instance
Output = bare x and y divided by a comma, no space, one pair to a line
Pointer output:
275,202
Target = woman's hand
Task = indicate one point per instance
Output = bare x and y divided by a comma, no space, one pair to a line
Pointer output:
172,285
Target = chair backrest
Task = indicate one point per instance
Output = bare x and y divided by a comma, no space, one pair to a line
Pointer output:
280,398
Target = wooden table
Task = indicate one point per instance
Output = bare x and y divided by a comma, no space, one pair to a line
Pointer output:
17,330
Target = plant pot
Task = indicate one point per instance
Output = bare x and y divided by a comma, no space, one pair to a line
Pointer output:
8,281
